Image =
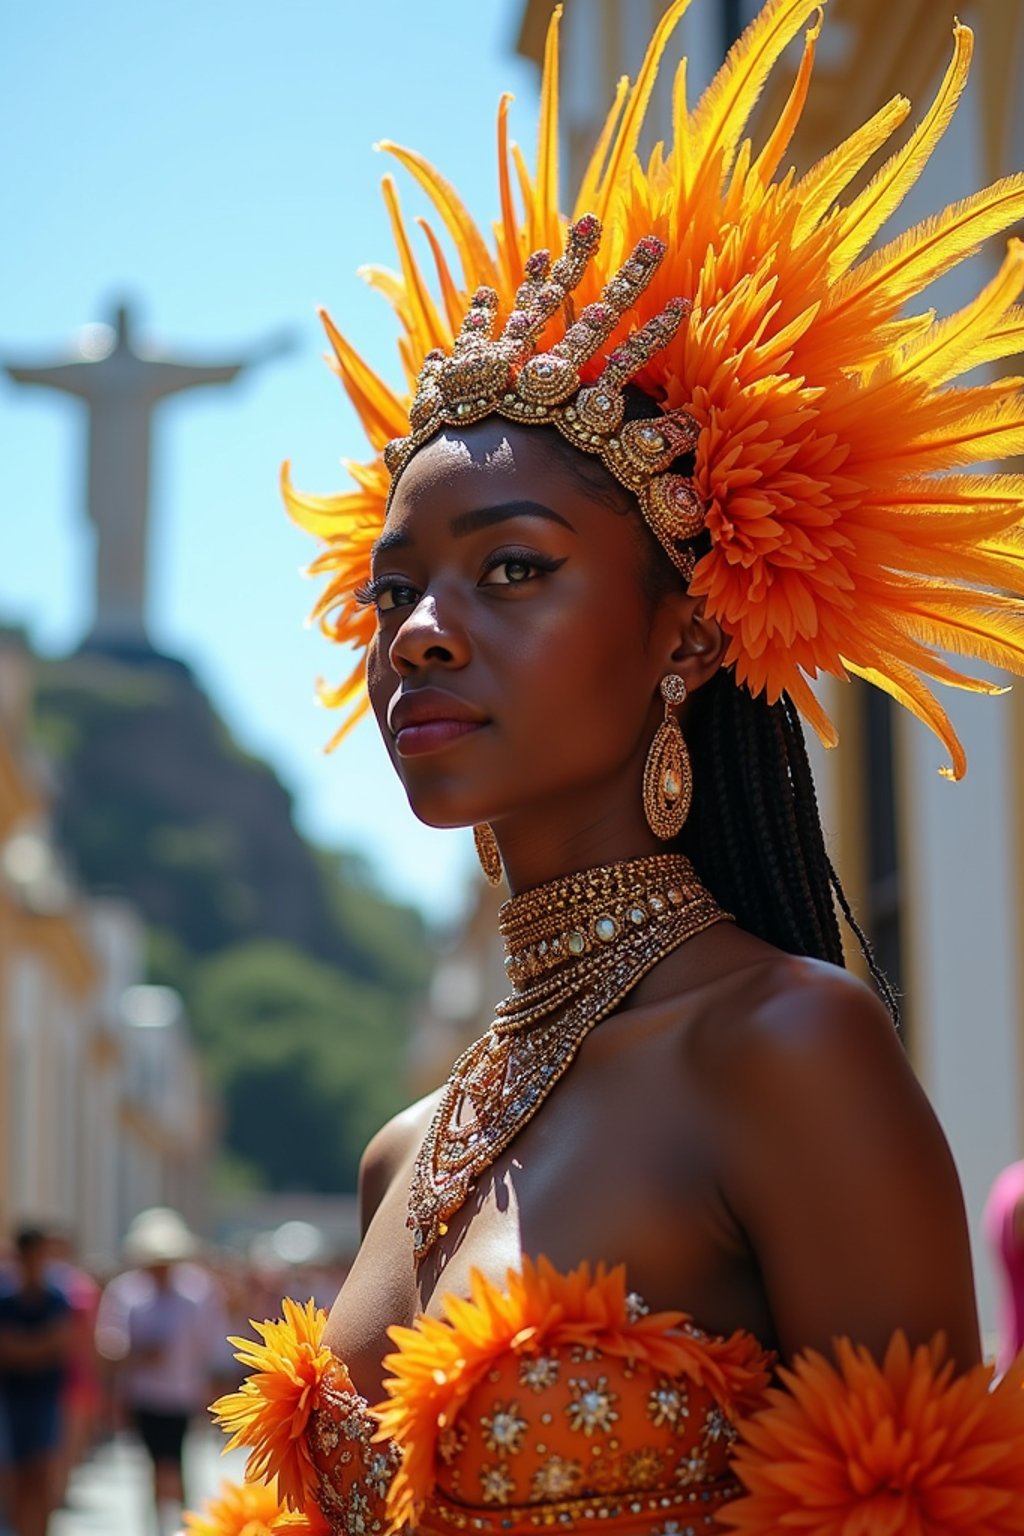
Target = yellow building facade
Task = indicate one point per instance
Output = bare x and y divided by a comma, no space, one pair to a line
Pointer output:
100,1114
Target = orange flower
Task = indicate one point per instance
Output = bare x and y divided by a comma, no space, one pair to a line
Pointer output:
440,1361
270,1411
898,1449
830,417
239,1509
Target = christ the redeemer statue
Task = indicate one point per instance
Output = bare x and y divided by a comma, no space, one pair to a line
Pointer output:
120,391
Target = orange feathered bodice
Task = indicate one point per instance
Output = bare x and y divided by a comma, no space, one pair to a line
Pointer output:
561,1401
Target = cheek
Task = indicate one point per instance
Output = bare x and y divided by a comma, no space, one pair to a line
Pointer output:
579,667
380,682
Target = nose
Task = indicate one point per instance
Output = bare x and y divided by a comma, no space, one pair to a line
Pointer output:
425,637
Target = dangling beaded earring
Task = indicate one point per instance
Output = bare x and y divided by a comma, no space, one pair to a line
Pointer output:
488,852
668,777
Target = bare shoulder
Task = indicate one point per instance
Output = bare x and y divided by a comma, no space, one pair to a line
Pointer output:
805,1053
389,1152
833,1162
787,1021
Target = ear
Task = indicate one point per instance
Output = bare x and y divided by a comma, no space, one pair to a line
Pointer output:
692,643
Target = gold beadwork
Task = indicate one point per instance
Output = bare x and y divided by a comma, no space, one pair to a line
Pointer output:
505,376
488,852
567,977
668,776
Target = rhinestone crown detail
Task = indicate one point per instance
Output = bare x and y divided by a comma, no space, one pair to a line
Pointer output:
506,376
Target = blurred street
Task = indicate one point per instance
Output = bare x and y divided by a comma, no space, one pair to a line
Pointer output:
110,1494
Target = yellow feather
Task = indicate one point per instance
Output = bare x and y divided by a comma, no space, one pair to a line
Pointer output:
770,158
682,150
965,561
985,625
380,410
543,214
902,685
901,269
960,342
996,432
1011,325
454,304
511,254
718,121
625,142
382,280
949,506
522,176
818,189
897,333
316,514
425,321
806,701
933,665
477,266
357,710
884,193
587,195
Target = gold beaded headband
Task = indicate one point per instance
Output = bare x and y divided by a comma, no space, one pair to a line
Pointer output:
506,376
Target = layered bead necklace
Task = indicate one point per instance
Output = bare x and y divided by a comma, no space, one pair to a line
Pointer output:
574,949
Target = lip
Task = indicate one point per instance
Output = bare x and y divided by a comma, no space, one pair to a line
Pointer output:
430,718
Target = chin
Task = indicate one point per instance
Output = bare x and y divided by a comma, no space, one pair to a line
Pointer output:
444,810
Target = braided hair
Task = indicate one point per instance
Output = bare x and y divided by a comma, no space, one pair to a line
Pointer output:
754,831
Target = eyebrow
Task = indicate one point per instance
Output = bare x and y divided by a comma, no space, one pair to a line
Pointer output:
480,517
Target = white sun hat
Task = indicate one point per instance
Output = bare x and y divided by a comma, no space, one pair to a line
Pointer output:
159,1235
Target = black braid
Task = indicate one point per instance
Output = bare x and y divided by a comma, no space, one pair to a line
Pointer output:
754,831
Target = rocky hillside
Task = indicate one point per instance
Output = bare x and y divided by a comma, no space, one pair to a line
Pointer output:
297,974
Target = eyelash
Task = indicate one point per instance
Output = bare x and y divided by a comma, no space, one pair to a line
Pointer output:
370,594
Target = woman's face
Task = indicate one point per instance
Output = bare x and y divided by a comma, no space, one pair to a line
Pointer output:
517,656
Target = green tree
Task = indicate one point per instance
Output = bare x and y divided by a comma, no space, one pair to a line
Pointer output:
307,1063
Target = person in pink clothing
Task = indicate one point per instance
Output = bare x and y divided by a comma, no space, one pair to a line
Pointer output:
1004,1227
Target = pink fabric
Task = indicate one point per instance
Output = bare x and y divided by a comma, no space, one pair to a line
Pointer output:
1006,1195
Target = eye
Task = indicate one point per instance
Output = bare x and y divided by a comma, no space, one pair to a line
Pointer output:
514,568
385,593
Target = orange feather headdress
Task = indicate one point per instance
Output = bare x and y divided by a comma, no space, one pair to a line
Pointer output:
846,537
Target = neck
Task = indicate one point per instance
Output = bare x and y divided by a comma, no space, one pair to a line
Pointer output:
559,924
571,838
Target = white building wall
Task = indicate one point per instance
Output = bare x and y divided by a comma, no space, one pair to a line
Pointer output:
961,938
962,914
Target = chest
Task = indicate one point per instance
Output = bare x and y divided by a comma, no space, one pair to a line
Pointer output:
618,1165
161,1317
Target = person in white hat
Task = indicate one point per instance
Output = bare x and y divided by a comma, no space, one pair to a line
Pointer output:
161,1323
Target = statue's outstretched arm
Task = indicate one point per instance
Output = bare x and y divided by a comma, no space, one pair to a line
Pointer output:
70,377
169,377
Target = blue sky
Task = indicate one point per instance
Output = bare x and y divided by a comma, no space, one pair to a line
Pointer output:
214,165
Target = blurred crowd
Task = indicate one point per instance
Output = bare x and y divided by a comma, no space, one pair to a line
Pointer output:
141,1352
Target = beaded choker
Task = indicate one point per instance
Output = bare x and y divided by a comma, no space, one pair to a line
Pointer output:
574,949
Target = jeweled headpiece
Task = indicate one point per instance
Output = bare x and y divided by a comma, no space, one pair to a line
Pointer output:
504,376
829,441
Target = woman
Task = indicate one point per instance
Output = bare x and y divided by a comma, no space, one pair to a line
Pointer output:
683,457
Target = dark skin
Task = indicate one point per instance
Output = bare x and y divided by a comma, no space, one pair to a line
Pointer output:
744,1133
